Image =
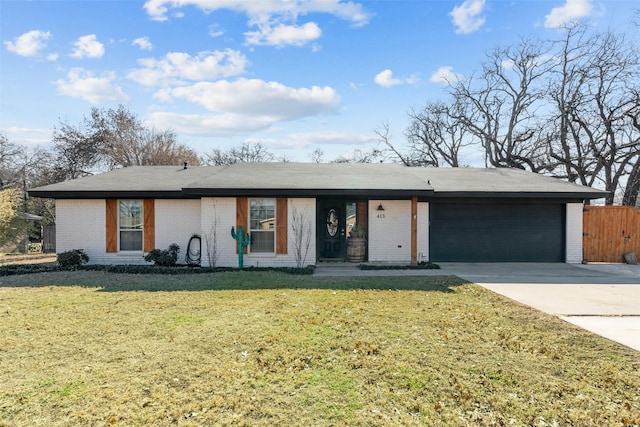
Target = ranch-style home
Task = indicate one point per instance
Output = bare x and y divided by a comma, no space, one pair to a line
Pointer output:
406,215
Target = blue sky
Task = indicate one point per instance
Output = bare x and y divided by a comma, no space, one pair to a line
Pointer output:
295,75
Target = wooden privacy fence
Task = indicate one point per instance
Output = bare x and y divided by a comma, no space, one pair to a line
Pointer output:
609,232
49,238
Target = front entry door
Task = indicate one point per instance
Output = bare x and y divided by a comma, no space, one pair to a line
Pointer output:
331,231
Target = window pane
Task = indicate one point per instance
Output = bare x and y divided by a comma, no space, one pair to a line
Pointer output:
131,214
131,240
262,214
262,241
262,224
131,224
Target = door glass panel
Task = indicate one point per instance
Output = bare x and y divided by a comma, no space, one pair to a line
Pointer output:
333,222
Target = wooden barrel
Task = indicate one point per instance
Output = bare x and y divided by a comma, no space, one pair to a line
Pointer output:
356,249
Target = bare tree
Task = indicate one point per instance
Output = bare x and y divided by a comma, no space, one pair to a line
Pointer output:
249,152
360,156
161,148
501,107
211,241
125,141
595,90
76,150
435,137
111,139
22,168
10,155
569,108
384,136
317,156
302,233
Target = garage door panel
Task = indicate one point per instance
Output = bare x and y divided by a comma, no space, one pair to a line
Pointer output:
474,232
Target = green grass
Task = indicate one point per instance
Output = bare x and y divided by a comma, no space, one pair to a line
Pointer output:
265,348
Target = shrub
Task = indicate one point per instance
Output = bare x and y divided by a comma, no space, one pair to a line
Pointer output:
164,257
72,258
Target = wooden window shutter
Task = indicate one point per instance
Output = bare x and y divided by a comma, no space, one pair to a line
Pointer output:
149,227
112,225
281,226
242,213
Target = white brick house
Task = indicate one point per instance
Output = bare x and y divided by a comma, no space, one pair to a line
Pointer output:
408,215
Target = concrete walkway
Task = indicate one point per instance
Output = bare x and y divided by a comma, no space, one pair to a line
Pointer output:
601,298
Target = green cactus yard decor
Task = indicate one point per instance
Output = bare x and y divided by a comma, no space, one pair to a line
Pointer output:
243,242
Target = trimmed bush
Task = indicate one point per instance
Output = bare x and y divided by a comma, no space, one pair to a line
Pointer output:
72,258
421,266
164,257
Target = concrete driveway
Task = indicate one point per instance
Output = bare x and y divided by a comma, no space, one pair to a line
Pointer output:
601,298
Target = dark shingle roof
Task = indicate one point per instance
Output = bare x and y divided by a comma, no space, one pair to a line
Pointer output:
310,179
153,181
505,182
315,179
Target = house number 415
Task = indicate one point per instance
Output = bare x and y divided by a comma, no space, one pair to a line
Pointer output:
380,215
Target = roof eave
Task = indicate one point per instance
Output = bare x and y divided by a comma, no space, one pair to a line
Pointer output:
305,192
110,194
520,195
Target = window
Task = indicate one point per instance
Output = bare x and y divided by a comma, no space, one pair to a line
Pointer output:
262,225
130,225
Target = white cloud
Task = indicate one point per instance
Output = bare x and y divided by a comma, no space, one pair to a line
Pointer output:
215,30
572,9
31,137
242,106
467,17
177,67
446,75
257,98
275,22
143,43
508,64
385,79
350,11
329,137
224,124
282,35
88,47
16,129
84,85
29,43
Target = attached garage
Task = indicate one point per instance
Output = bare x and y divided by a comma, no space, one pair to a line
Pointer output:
497,232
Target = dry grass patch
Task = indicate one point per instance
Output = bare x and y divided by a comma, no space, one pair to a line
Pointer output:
91,348
13,259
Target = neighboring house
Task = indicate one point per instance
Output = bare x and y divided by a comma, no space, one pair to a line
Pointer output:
409,214
23,243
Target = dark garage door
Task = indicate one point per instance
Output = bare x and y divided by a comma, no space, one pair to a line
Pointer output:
496,232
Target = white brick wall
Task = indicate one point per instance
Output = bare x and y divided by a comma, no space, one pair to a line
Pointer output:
218,215
306,210
574,233
390,231
423,232
81,224
176,221
306,206
224,210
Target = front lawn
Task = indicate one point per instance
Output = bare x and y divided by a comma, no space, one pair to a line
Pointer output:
266,348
